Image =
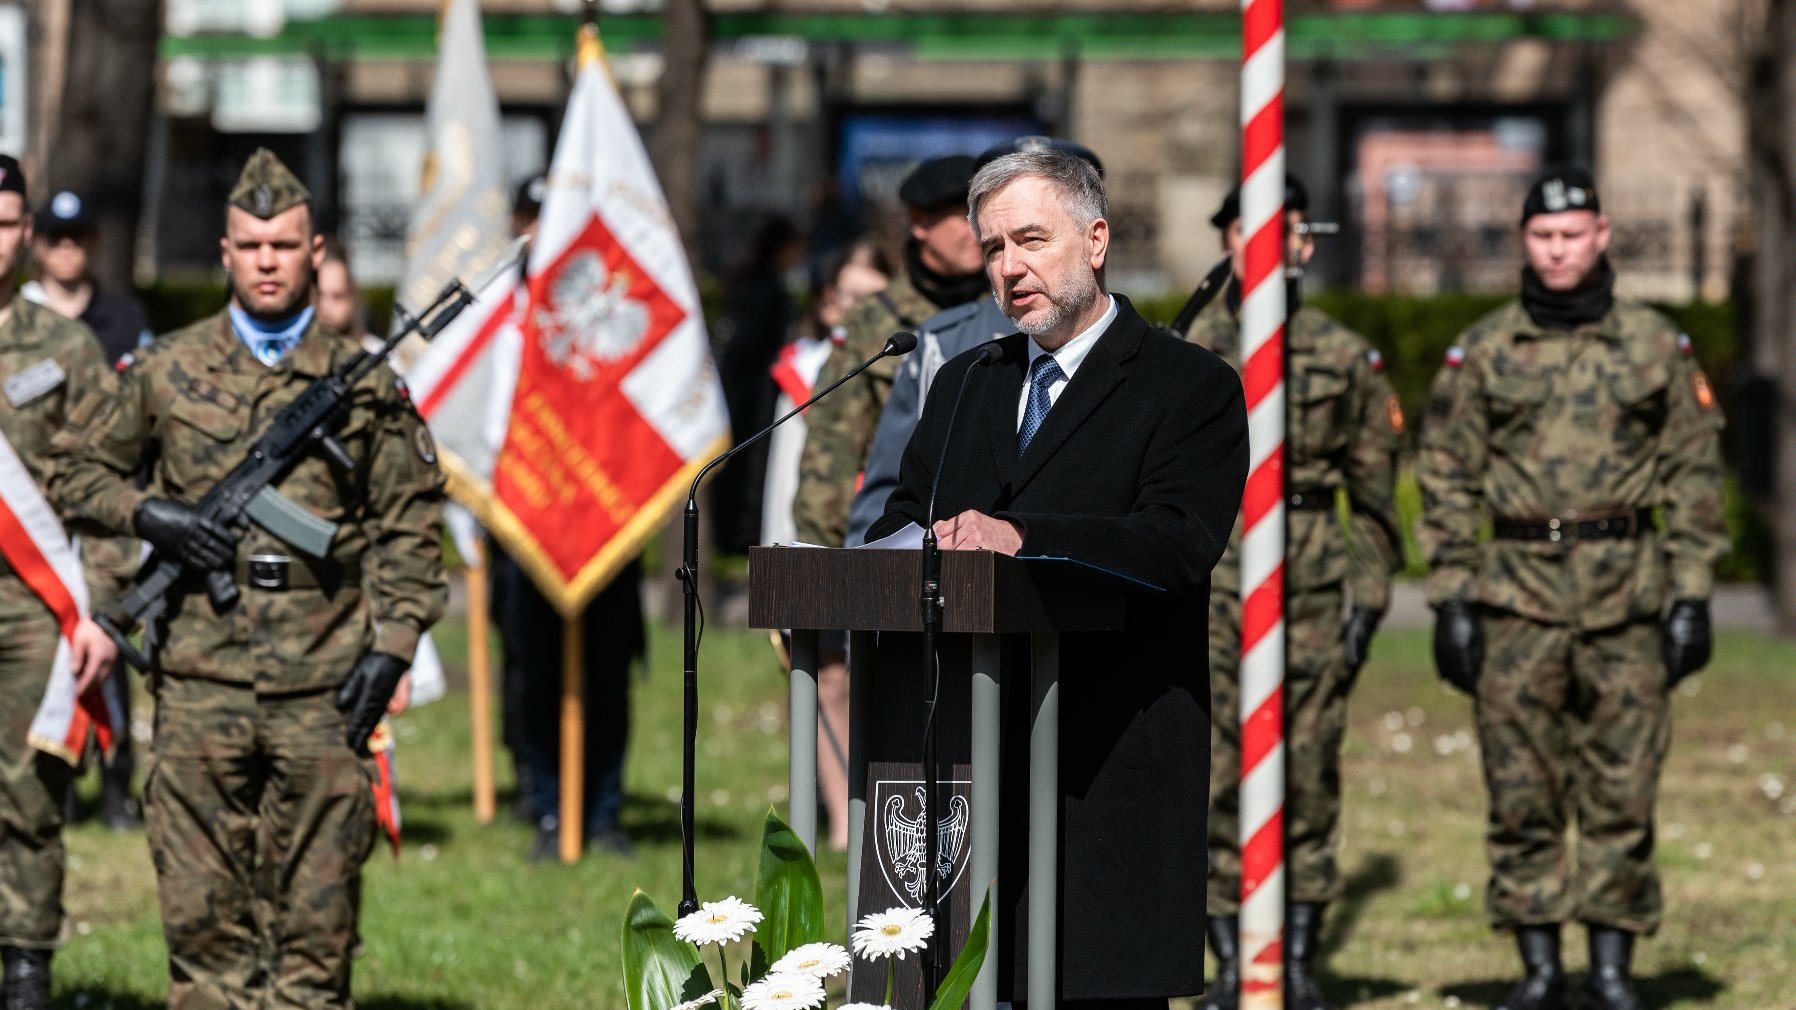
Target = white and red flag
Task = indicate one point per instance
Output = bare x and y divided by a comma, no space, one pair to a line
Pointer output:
39,552
616,403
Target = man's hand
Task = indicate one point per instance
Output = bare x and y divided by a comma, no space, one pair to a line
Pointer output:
183,535
364,696
1459,644
92,654
976,531
1356,636
1686,640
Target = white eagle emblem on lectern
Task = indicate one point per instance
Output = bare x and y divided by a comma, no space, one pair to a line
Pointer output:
904,852
591,318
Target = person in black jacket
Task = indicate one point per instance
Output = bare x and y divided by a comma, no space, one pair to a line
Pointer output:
1095,436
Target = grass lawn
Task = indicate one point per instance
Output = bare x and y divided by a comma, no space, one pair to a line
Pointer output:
464,921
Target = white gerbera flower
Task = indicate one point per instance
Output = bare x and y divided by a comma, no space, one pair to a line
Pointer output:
703,1001
718,922
893,932
818,960
783,991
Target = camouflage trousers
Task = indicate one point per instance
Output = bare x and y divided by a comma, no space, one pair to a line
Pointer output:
259,820
1572,725
33,784
1316,688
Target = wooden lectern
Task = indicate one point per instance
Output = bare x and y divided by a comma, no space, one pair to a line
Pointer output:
1002,618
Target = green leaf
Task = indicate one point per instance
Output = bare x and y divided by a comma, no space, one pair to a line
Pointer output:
966,967
660,970
788,894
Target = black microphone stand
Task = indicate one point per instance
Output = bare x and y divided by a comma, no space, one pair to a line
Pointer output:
899,343
935,956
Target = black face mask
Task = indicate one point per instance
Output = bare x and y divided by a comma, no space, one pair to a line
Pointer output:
943,291
1566,310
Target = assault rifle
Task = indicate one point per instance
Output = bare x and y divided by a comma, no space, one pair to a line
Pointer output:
247,493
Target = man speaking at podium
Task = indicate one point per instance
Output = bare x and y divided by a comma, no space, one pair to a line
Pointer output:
1091,435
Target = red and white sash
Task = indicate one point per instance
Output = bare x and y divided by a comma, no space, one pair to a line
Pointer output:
39,552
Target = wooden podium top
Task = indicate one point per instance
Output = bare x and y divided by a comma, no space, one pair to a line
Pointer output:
879,590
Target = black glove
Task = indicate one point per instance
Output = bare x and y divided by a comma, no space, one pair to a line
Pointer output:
1685,639
180,534
1357,636
364,696
1458,644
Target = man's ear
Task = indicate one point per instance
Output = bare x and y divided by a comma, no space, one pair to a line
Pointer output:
1602,233
317,252
1098,235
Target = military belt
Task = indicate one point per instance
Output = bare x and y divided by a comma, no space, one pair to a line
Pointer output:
1315,499
277,573
1614,526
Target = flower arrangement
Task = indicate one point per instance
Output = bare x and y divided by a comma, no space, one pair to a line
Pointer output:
665,966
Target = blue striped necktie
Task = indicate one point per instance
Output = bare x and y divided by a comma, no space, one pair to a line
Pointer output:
1042,375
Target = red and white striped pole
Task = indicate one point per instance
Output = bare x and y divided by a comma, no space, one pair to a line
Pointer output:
1263,505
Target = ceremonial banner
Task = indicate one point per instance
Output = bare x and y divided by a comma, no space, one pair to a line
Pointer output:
460,225
39,552
616,402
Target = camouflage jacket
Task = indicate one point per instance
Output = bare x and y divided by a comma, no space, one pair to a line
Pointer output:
1531,424
48,365
1343,429
839,429
193,402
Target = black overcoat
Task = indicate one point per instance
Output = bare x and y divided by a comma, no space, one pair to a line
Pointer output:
1138,468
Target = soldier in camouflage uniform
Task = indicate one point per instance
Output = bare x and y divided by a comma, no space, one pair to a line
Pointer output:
1344,426
1567,419
47,365
942,268
259,769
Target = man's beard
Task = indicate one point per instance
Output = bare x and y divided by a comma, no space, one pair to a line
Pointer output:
1079,295
301,297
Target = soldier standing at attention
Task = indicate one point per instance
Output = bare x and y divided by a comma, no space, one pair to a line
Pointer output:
1344,428
942,268
48,364
259,769
1568,418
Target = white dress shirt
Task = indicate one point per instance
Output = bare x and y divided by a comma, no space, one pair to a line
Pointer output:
1068,357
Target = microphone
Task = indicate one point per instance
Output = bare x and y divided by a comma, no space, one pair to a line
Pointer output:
932,620
900,342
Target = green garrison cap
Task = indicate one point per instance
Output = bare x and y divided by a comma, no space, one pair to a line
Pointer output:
267,187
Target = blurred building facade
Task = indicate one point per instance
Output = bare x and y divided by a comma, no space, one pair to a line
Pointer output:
1415,124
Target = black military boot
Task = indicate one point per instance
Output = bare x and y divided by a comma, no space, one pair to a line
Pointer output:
1225,942
1609,986
1303,935
118,810
1543,987
27,978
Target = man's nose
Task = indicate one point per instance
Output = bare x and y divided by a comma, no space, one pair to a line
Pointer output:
1010,264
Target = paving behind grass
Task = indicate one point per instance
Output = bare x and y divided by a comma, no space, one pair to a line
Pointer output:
463,921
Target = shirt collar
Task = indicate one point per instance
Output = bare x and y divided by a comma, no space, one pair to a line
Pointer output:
256,334
1074,351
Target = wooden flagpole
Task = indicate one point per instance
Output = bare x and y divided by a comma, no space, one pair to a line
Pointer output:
573,739
480,691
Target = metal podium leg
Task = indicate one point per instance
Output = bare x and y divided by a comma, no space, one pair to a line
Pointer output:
860,706
804,737
1044,824
984,858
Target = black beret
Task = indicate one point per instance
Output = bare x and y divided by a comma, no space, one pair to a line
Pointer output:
65,214
12,177
1567,187
1018,145
529,197
938,182
1296,199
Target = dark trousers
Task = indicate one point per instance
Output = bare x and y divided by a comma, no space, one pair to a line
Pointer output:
612,636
